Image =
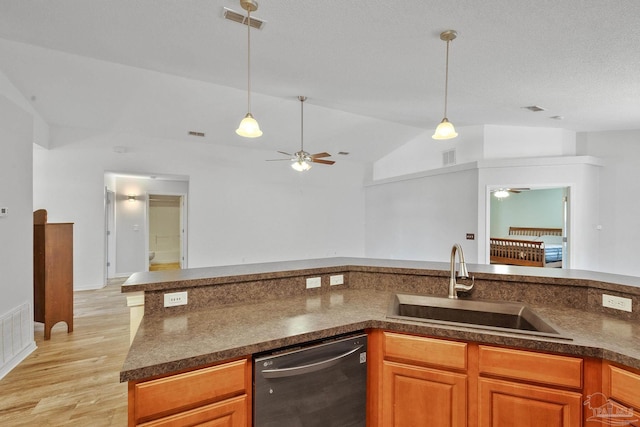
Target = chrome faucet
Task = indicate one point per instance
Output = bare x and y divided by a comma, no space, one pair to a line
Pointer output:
464,274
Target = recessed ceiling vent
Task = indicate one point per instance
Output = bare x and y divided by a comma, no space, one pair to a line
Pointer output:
534,108
240,18
195,133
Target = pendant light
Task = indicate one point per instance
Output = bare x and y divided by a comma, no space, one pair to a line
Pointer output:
249,127
445,129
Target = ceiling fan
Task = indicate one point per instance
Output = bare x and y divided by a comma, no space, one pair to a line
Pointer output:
301,160
501,193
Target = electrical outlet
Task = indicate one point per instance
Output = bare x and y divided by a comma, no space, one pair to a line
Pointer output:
175,298
338,279
618,303
314,282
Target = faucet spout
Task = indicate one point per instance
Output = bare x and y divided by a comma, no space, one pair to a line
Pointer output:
454,287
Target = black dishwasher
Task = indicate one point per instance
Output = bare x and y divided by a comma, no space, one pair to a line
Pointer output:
323,385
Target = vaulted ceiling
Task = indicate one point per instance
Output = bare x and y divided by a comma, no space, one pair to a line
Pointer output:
373,71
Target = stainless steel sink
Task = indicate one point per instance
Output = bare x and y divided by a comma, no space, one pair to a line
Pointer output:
493,315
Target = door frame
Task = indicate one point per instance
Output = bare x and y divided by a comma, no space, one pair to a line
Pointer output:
566,224
183,224
109,234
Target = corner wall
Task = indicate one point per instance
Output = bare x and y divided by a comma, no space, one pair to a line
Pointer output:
16,229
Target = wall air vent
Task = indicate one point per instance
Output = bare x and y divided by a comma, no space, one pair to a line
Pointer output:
240,18
449,157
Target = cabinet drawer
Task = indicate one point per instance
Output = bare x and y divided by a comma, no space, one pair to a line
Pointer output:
625,386
530,366
443,353
171,394
228,413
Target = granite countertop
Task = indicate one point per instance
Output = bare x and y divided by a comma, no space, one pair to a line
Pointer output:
167,342
204,276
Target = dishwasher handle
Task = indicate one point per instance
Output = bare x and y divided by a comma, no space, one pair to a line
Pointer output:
305,369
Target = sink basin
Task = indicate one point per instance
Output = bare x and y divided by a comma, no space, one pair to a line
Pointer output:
494,315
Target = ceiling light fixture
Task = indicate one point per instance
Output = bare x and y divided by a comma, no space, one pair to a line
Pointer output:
302,160
249,127
445,129
501,193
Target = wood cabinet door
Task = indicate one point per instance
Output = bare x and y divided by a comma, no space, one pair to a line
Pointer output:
507,404
227,413
418,396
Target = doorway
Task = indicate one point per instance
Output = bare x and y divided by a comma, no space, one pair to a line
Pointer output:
543,207
166,232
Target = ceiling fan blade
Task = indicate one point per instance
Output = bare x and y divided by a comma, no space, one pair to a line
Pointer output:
277,160
517,190
324,162
286,154
319,155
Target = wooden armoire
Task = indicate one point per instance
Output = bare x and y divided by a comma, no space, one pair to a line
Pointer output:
52,272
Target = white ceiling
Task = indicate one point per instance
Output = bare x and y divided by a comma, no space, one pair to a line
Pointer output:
373,71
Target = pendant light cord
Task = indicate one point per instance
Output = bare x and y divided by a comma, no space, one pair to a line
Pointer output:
249,60
301,124
446,81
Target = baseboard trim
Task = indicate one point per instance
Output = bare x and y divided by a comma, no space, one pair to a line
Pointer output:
15,361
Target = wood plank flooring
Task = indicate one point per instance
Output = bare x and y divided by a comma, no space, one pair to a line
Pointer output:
167,266
73,379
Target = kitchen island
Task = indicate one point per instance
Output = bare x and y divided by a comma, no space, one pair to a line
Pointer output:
238,311
246,309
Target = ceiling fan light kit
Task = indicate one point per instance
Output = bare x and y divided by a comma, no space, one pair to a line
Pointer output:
249,127
501,193
445,129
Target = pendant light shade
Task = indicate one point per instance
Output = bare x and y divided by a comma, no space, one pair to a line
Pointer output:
445,129
249,127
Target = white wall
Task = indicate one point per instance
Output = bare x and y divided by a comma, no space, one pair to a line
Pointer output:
580,174
619,205
517,142
241,208
16,231
131,219
424,153
421,216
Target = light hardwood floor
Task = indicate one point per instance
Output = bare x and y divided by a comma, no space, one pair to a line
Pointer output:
73,379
